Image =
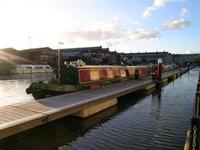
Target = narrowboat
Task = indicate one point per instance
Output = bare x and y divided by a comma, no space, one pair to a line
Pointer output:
74,78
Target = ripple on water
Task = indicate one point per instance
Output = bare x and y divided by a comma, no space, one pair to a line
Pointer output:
158,121
13,89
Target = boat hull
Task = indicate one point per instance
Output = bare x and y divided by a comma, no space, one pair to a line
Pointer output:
42,90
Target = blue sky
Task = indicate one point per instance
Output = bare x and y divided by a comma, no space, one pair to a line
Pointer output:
121,25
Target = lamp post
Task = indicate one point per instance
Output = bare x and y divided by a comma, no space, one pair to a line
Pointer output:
59,43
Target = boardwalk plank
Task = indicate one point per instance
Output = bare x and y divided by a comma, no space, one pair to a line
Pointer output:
26,115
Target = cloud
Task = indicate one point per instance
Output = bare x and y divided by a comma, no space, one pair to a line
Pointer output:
148,11
157,4
125,21
98,32
144,34
107,34
176,24
184,12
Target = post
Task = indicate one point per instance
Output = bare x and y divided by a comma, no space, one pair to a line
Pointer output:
58,65
188,67
59,62
160,70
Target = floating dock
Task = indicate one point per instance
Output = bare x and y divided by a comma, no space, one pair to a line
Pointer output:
22,116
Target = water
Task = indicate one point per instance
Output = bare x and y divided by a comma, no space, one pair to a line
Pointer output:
154,121
13,88
158,121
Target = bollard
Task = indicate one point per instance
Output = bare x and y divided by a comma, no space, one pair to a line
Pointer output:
160,70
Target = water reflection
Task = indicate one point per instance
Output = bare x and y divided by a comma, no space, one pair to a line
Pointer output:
156,102
55,133
65,130
158,120
13,88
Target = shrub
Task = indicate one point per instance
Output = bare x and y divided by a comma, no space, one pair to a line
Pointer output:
5,69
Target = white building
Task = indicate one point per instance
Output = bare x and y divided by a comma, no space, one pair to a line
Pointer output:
23,69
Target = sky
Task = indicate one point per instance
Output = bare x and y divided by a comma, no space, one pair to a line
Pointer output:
122,25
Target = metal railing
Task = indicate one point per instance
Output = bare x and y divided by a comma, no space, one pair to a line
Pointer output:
195,121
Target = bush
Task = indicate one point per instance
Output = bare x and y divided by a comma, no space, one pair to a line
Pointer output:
5,69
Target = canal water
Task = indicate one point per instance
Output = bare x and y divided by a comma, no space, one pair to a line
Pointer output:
13,88
153,121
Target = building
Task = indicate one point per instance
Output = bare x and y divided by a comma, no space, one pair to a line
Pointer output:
11,56
182,59
152,57
44,55
91,55
84,51
114,58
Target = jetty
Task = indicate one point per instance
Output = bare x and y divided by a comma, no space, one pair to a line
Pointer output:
19,117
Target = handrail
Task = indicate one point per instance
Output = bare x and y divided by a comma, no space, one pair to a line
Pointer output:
194,138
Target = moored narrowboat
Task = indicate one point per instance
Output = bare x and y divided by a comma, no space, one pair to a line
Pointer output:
77,77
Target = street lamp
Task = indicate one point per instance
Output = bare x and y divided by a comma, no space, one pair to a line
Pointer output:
59,43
